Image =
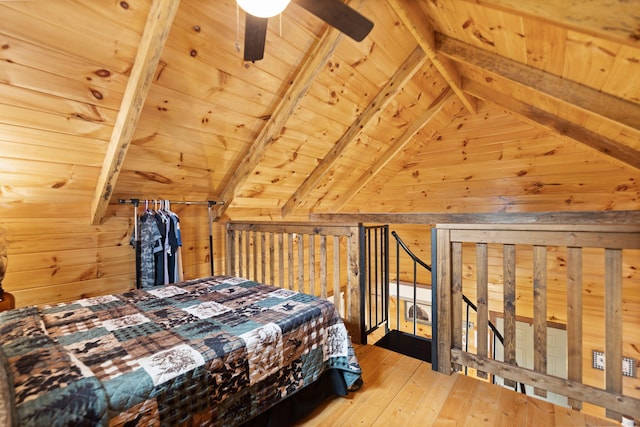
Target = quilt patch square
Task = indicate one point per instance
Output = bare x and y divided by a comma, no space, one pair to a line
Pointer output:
232,292
264,345
168,364
28,326
124,322
61,322
135,332
233,280
166,291
143,346
337,342
207,309
282,293
104,355
99,300
136,296
42,370
171,317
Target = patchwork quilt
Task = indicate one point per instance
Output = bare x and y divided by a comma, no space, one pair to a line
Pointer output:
213,351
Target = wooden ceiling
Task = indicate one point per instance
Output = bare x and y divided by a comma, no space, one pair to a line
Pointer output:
477,106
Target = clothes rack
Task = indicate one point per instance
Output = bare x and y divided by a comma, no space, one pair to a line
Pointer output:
136,203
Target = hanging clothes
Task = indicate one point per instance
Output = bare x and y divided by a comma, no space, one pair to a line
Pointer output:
159,243
150,245
161,256
173,242
177,271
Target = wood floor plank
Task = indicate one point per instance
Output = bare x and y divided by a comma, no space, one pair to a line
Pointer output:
565,416
485,408
458,405
513,407
335,410
394,413
410,404
592,421
539,413
438,394
381,392
383,374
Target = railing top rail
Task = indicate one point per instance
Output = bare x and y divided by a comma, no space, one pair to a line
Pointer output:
612,238
593,228
590,218
293,227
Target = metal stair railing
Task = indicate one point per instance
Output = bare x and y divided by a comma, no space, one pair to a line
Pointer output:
416,261
374,247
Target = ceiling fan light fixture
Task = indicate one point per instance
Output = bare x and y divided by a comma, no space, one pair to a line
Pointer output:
263,8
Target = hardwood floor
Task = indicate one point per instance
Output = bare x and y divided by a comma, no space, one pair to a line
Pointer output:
401,391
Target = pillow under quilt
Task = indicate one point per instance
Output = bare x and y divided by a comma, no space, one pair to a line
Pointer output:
7,398
15,326
41,384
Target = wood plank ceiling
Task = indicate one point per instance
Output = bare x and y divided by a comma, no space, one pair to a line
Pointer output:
151,99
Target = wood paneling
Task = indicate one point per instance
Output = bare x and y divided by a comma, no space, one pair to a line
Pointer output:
207,107
206,130
59,259
504,167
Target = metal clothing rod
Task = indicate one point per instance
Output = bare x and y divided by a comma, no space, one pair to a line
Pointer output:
136,236
209,202
210,221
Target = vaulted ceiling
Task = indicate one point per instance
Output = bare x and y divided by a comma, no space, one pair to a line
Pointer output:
101,101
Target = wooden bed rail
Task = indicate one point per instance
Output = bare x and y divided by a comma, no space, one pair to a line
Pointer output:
300,256
472,242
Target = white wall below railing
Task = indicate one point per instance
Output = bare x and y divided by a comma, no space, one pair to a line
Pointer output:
423,292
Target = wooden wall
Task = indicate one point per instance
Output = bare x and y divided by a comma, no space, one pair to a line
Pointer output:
62,85
54,255
494,162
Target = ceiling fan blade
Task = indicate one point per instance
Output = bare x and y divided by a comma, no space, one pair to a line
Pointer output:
340,16
255,34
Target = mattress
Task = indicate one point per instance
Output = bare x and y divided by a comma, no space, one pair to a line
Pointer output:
211,351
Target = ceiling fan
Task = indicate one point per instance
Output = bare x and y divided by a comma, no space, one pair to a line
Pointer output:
333,12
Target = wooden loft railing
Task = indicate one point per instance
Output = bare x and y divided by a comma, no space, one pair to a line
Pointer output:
259,251
303,257
471,242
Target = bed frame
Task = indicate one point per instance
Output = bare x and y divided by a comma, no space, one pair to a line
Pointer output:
471,242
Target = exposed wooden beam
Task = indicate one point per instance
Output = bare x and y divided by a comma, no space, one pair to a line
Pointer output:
411,65
421,121
299,87
574,95
155,34
573,218
615,20
414,19
560,127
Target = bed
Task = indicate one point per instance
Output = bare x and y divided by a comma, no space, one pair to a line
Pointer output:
214,351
